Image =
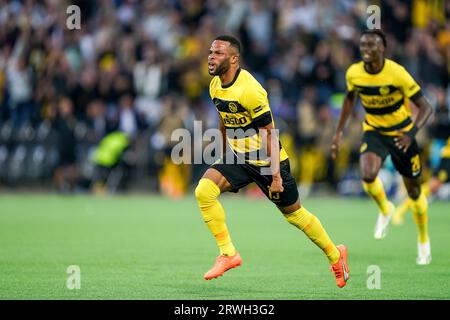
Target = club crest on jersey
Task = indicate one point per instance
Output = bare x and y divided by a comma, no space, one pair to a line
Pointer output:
233,107
384,91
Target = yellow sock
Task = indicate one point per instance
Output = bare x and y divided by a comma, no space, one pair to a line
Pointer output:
214,215
311,226
419,208
402,209
425,188
376,191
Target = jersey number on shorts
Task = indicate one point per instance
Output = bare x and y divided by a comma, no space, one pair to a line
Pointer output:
273,196
415,164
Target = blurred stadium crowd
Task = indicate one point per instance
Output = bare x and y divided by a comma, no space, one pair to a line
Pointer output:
109,95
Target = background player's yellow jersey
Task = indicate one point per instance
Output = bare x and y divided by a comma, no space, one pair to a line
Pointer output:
445,151
385,96
243,104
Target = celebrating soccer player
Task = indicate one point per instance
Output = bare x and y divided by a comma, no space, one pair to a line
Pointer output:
385,89
245,116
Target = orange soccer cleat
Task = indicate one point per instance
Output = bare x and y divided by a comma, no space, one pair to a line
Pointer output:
222,264
340,268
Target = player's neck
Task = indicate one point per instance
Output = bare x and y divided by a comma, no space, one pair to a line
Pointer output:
374,66
228,78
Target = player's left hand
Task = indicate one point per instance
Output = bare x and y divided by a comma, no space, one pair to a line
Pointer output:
403,142
277,185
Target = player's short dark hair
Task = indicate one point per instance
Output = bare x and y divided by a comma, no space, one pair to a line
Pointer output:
234,42
377,32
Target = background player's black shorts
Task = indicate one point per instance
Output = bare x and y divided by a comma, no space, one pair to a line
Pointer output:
240,175
407,163
442,172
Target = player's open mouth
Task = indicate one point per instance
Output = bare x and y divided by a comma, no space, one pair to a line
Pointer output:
210,66
366,56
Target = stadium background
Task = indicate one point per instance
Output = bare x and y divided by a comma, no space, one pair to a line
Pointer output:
139,67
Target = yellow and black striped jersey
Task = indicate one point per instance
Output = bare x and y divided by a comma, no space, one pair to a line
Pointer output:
385,96
243,106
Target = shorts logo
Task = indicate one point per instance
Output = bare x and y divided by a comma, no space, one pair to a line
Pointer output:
363,147
233,107
384,91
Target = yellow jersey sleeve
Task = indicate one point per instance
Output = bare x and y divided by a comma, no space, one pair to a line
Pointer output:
349,78
255,100
407,83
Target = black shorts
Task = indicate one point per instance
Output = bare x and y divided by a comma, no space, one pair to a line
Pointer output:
442,172
407,163
239,175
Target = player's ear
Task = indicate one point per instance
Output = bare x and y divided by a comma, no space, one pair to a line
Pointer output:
381,46
235,59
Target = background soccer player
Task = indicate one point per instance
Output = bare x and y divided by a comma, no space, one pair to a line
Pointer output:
385,89
242,104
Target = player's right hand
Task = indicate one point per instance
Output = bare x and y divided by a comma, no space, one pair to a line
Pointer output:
335,145
277,184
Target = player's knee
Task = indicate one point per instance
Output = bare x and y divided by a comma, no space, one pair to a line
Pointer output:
206,192
369,176
291,218
414,193
300,218
200,193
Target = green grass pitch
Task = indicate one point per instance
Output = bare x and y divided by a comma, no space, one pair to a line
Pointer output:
150,247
